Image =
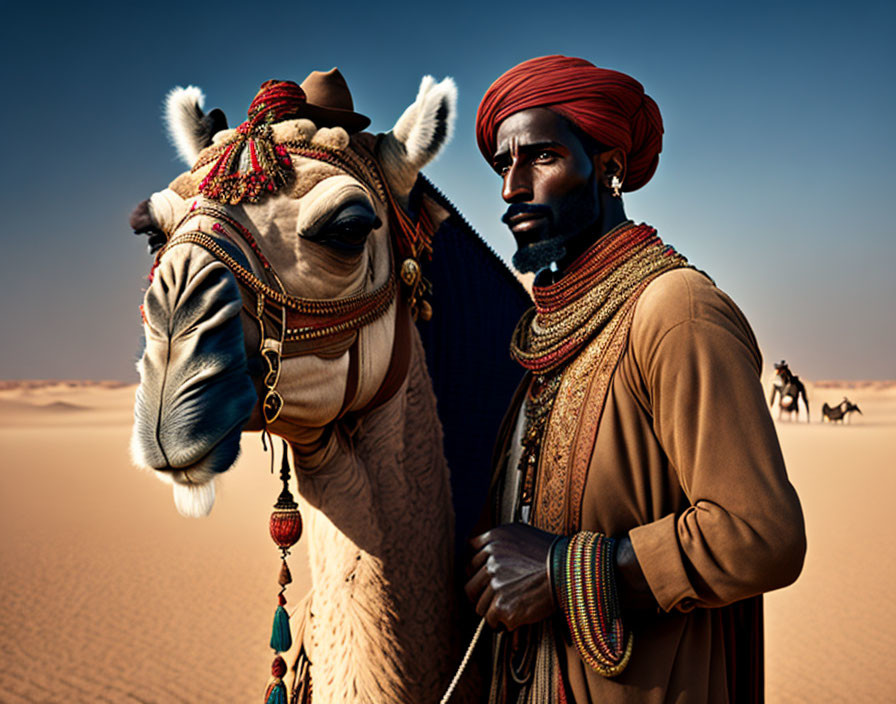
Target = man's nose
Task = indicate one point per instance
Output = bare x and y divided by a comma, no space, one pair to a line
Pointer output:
517,185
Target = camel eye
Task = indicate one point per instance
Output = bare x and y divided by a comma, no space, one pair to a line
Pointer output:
347,231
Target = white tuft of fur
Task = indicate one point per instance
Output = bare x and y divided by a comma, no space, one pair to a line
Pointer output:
428,124
194,500
183,112
167,209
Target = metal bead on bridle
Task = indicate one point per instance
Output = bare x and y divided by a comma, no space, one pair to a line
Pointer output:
417,286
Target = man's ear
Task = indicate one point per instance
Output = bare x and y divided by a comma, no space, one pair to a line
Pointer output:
609,164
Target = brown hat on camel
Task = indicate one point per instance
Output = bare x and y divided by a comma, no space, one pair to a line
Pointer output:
330,102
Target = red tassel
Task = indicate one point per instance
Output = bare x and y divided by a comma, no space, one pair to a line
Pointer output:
275,692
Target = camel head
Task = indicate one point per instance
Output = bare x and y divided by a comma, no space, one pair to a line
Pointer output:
848,406
279,209
782,370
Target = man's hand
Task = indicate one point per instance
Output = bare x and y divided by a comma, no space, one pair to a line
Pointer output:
510,583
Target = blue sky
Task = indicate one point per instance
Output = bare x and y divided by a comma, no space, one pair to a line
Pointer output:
775,175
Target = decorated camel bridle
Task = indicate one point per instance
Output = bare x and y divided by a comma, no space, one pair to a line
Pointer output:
292,326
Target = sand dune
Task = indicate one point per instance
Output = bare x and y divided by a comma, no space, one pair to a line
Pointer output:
830,635
12,407
110,596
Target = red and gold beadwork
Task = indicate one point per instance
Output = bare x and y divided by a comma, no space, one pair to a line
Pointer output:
250,165
569,313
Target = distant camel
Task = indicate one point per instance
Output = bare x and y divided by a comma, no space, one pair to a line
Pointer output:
790,388
836,414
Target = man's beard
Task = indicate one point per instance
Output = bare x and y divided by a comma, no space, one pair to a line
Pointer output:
574,220
539,255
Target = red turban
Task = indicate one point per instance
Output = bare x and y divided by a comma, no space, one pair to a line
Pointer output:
609,106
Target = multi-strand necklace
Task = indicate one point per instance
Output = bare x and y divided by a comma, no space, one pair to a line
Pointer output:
568,314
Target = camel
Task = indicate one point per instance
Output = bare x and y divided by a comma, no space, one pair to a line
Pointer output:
349,381
790,389
836,414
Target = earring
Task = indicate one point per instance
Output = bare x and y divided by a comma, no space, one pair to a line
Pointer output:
616,186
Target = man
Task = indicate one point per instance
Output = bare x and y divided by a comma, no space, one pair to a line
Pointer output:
640,504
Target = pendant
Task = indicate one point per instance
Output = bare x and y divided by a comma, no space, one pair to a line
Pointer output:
286,528
272,403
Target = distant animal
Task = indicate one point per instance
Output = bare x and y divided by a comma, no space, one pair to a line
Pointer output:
836,414
789,387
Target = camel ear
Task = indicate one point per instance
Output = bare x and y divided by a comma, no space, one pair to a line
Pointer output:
419,135
166,209
189,128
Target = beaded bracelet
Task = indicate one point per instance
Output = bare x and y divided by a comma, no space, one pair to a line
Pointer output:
584,579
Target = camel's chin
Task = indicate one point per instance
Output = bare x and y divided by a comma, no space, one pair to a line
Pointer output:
194,486
193,490
194,500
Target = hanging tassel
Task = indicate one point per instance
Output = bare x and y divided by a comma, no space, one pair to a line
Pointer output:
275,693
281,638
286,528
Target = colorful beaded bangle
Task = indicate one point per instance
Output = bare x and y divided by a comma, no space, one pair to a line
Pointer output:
584,580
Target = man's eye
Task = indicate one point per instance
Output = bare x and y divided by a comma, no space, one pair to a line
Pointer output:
545,156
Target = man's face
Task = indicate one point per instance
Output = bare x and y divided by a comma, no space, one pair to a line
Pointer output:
550,183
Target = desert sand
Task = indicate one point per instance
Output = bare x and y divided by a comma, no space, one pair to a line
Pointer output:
108,595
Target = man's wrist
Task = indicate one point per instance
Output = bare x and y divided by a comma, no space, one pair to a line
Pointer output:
634,591
556,555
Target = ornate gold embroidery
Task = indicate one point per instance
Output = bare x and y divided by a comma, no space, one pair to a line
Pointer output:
572,426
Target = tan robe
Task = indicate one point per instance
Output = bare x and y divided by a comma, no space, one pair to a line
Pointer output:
687,462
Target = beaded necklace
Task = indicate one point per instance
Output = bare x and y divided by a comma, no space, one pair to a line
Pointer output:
568,314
